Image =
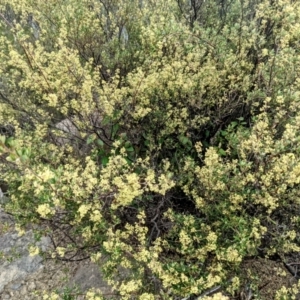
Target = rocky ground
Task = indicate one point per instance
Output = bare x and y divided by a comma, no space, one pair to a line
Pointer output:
30,277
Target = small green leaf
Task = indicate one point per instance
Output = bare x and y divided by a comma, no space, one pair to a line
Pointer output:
104,160
127,144
129,162
26,152
100,142
117,113
106,120
101,152
146,143
115,129
19,152
24,157
10,142
183,139
222,152
90,139
223,132
207,133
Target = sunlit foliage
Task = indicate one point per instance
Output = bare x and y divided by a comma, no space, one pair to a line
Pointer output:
162,135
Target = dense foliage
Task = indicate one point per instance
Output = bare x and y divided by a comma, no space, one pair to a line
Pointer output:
160,135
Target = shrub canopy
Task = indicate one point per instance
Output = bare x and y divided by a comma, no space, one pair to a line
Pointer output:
163,135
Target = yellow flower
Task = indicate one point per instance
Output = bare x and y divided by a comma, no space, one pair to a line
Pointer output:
44,210
96,216
61,251
33,251
129,287
20,230
95,257
147,296
217,296
83,209
52,296
265,52
92,295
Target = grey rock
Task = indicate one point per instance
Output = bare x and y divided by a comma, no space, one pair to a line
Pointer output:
22,263
26,277
23,290
3,198
69,131
40,285
3,194
31,286
5,218
89,276
15,286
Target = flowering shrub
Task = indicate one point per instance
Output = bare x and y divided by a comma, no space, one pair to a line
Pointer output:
163,135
